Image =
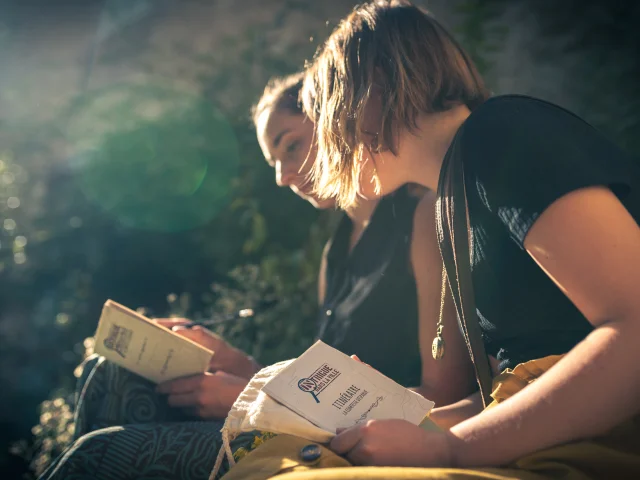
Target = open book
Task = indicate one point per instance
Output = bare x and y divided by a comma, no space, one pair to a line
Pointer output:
140,345
332,390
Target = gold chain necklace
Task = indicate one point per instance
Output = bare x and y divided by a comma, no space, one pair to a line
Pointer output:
437,347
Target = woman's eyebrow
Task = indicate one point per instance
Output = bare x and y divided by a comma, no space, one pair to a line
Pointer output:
278,138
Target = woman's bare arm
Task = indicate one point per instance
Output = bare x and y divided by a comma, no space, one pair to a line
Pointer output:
589,245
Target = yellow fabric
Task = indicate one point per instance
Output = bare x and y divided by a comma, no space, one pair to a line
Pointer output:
612,456
279,455
258,440
510,382
406,473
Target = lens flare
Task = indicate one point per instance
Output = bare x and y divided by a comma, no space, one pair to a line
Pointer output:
152,157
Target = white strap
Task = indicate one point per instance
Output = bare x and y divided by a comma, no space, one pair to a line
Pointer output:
225,448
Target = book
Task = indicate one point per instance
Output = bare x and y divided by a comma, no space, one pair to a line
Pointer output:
332,390
144,347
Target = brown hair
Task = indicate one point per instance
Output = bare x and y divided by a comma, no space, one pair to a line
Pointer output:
399,50
281,93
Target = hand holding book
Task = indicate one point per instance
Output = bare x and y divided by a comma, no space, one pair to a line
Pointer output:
142,346
208,395
332,390
394,442
227,358
324,386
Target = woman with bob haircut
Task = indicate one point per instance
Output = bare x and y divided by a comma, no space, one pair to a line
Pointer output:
549,208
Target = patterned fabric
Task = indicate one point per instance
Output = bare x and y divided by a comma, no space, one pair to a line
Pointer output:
124,430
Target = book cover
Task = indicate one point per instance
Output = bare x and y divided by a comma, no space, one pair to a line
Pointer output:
140,345
332,390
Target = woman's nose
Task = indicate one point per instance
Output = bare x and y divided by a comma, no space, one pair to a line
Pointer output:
284,175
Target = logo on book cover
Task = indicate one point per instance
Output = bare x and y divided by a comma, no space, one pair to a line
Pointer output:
118,340
315,383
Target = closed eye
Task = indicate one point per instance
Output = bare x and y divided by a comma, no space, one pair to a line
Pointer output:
373,143
293,146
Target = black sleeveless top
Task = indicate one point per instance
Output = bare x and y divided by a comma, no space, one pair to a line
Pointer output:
370,307
521,154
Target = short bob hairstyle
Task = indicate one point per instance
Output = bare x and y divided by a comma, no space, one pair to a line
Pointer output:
401,53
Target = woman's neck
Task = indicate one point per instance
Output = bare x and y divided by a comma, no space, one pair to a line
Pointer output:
426,147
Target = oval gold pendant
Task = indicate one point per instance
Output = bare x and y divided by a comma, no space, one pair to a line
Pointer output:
437,348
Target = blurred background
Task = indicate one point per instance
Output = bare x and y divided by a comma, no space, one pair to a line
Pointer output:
129,167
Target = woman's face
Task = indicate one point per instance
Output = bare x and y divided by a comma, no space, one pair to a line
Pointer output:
286,140
379,171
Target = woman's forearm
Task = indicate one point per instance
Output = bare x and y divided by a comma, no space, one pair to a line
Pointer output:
593,388
450,415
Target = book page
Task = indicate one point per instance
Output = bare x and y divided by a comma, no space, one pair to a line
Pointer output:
140,345
332,390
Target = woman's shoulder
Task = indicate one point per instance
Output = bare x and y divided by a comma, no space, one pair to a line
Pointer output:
514,101
521,154
506,113
510,131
